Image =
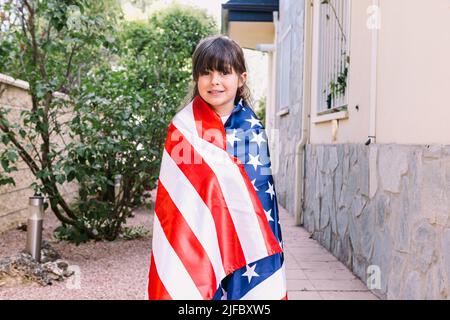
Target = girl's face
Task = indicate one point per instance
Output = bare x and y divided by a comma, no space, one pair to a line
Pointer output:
219,89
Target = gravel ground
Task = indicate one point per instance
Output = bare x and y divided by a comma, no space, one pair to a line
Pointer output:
115,270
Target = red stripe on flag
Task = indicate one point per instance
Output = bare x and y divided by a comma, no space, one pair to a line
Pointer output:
185,244
156,289
208,123
271,241
205,182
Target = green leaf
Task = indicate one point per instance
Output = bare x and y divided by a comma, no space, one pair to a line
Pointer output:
11,155
5,139
22,133
60,178
7,181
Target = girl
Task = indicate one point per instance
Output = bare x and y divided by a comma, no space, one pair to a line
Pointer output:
216,228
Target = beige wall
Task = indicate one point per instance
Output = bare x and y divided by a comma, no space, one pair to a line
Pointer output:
14,199
249,34
414,72
413,75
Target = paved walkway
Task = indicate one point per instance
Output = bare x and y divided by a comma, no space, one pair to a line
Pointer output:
312,272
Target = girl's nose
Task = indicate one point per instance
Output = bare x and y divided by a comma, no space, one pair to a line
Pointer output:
216,77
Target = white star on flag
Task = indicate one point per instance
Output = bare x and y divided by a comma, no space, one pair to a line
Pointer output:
253,183
232,138
258,138
254,161
253,122
250,273
269,217
270,191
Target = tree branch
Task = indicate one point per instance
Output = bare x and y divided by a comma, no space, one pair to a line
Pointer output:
22,152
69,67
38,62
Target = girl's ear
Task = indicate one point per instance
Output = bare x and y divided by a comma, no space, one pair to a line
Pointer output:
242,79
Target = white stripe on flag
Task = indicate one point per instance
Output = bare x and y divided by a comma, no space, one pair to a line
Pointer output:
194,210
171,271
232,184
273,288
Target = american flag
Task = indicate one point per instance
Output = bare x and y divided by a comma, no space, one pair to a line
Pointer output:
216,231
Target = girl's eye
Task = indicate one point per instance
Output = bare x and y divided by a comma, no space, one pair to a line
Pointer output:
206,72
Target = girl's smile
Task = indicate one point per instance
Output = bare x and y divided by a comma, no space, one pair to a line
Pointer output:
215,92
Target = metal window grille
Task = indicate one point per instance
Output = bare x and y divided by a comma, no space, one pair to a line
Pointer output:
285,67
333,53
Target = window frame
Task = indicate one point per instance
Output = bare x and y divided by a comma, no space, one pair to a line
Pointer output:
321,111
285,71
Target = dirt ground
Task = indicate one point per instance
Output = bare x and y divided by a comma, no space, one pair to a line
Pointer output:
103,270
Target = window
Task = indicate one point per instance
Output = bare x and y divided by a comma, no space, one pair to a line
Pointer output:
331,54
285,67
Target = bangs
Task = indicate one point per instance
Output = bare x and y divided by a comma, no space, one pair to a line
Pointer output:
215,55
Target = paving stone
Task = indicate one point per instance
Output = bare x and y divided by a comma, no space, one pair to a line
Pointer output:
300,285
328,275
347,295
341,285
304,295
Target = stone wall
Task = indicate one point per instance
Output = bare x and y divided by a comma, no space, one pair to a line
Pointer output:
14,199
288,126
386,206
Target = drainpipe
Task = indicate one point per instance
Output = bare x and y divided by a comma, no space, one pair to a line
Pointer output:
305,120
300,166
373,74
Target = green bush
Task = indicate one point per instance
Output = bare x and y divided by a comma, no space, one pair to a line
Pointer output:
124,81
261,110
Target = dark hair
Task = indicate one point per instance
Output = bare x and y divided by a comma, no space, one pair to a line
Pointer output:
222,54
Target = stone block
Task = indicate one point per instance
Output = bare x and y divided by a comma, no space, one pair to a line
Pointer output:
392,165
414,288
342,220
366,224
433,152
382,210
333,160
424,252
16,97
436,284
382,257
401,224
445,245
434,186
320,151
396,277
373,171
359,266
